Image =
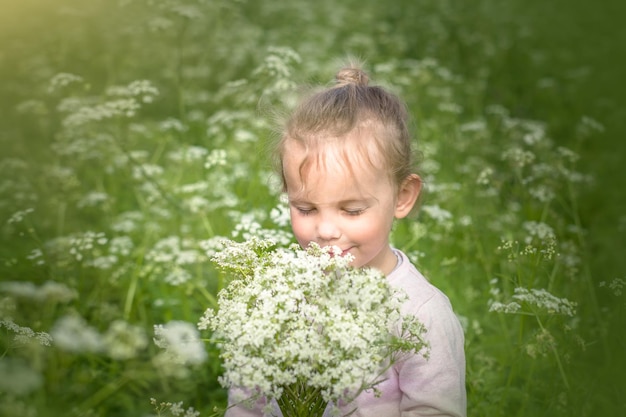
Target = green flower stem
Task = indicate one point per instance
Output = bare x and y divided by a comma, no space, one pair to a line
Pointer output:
103,393
300,400
556,356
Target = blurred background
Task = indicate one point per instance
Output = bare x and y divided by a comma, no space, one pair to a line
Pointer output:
134,135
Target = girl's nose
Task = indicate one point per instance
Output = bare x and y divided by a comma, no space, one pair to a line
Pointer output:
327,230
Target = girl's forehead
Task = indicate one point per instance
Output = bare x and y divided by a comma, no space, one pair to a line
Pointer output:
332,160
353,151
341,169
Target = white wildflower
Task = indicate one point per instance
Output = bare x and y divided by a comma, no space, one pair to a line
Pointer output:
174,250
616,285
243,136
280,215
438,214
535,301
182,341
103,262
173,125
197,204
124,341
73,334
24,335
195,187
588,126
93,199
121,245
141,89
518,157
177,276
144,171
63,79
19,216
484,177
18,378
84,243
127,222
539,230
217,157
51,291
305,315
188,154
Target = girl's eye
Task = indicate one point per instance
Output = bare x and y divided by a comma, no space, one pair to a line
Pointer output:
305,211
354,212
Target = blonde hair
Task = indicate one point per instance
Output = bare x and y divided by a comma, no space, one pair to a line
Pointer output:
330,116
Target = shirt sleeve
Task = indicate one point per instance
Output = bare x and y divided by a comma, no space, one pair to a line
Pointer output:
435,386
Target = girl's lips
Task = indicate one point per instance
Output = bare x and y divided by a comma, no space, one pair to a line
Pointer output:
346,251
343,252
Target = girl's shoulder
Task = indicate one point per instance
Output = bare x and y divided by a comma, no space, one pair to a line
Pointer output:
422,294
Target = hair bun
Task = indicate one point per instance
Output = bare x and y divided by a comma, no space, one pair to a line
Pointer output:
351,75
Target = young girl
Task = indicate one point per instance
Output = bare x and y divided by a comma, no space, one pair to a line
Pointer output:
345,158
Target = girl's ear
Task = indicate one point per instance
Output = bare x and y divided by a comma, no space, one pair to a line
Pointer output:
407,195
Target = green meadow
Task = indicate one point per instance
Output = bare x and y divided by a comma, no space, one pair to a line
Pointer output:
134,135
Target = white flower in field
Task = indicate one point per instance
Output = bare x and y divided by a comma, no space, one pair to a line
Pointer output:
588,126
83,243
18,378
103,262
479,125
144,171
305,315
121,245
213,245
124,341
453,108
175,409
538,230
518,157
174,250
534,301
19,216
509,308
24,335
188,154
63,79
616,286
437,213
542,193
140,89
174,125
217,157
182,341
177,276
51,291
126,107
280,215
73,334
244,136
249,225
194,187
93,199
484,177
34,107
127,221
197,204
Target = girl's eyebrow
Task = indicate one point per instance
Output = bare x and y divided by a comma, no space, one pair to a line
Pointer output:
364,200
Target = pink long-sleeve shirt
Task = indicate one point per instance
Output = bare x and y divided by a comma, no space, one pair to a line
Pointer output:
414,386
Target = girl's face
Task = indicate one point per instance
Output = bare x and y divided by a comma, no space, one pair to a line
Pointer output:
352,208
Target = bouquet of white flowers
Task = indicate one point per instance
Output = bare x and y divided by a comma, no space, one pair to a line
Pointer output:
304,328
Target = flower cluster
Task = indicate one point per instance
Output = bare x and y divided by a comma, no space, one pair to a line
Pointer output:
536,300
293,316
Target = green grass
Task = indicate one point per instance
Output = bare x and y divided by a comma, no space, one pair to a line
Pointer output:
519,114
